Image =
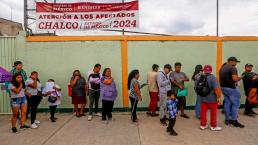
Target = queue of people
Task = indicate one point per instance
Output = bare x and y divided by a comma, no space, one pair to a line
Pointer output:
167,90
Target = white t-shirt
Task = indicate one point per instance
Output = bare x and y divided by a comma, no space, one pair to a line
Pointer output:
14,95
55,94
32,91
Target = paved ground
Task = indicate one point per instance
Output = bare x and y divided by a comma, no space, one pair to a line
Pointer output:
69,130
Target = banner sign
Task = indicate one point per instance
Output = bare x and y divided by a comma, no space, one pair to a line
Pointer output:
5,76
86,16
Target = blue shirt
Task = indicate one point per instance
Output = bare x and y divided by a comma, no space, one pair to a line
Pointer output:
172,107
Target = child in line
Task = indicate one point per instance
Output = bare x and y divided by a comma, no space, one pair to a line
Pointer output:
172,110
54,99
135,93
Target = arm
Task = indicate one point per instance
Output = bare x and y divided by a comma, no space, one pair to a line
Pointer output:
17,90
160,81
73,81
236,78
94,80
137,91
186,79
33,84
107,81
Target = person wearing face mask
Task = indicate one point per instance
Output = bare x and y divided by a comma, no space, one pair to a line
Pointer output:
79,90
228,81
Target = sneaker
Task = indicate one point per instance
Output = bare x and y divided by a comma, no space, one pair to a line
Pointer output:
163,122
34,126
249,114
89,117
148,113
14,129
111,119
204,127
52,119
185,116
228,122
216,128
37,122
154,114
24,127
173,133
98,114
252,112
237,124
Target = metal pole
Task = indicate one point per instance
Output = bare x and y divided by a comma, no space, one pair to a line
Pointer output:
217,31
25,16
123,30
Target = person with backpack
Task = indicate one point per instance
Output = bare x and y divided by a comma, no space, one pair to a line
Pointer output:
94,79
178,79
208,89
228,81
153,90
164,86
196,75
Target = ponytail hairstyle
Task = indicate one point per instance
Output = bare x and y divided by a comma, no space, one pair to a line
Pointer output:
132,74
198,69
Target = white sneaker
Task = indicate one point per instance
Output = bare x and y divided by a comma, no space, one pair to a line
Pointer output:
203,127
34,126
89,117
98,114
37,121
216,128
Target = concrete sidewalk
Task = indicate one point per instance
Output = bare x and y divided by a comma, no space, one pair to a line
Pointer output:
69,130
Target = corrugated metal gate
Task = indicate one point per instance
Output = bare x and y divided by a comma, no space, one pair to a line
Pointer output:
7,57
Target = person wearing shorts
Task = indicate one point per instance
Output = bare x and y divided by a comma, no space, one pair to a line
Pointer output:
18,101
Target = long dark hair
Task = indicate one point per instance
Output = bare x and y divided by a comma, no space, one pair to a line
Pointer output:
104,72
15,83
34,72
75,72
132,74
198,69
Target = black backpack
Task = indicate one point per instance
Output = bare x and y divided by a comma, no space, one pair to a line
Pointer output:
202,87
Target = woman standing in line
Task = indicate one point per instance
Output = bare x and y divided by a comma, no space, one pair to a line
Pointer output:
79,91
108,94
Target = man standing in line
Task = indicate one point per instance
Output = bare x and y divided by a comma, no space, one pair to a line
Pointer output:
248,80
164,86
228,82
94,78
153,90
178,79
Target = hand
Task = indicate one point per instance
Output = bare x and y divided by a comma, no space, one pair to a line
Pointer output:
76,77
29,95
21,84
181,87
48,93
140,98
219,101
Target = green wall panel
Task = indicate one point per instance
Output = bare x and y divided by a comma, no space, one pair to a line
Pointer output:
141,55
246,52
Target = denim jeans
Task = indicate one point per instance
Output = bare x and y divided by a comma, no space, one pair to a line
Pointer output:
231,102
197,107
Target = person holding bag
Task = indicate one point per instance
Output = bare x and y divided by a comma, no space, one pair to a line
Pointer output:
79,91
53,98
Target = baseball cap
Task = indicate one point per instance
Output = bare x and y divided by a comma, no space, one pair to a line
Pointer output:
233,59
207,69
249,65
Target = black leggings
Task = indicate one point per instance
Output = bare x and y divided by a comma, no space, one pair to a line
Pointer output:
134,103
52,111
34,102
107,107
171,124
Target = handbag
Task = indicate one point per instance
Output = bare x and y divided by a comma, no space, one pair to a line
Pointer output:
52,99
182,92
252,96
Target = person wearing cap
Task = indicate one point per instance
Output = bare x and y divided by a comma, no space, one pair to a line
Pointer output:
210,101
248,80
153,90
164,86
18,68
228,81
178,79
